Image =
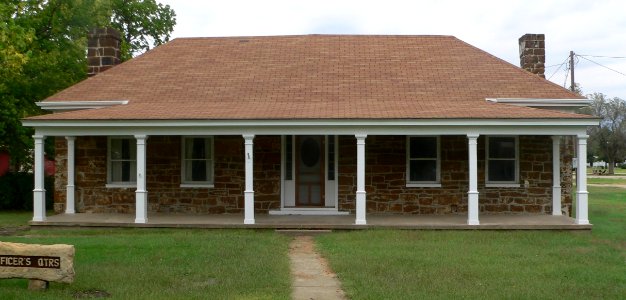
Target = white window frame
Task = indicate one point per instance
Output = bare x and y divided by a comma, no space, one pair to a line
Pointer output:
119,184
210,164
437,182
515,182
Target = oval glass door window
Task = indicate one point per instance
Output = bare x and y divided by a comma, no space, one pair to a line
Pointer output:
310,153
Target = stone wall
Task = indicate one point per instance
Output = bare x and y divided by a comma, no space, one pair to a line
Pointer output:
385,177
532,53
164,176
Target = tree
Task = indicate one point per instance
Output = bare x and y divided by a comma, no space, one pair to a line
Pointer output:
142,23
42,50
608,140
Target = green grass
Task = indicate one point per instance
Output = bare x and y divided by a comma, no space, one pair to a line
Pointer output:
166,264
372,264
607,213
394,264
15,218
620,181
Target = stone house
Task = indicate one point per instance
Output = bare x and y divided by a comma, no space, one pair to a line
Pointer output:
314,125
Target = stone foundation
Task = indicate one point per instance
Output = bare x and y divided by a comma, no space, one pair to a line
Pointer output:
385,177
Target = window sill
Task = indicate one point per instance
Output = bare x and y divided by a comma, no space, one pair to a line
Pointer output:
197,185
503,185
432,185
128,185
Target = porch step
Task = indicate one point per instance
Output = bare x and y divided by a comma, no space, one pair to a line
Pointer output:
297,232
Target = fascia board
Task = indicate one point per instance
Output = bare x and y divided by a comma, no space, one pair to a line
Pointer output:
311,123
76,105
534,102
395,127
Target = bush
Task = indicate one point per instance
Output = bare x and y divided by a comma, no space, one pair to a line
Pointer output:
16,191
622,166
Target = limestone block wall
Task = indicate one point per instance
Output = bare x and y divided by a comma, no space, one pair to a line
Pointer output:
385,178
164,176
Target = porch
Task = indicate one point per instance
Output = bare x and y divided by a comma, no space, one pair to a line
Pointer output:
458,170
340,222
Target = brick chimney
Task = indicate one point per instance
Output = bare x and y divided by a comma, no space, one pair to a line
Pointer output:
532,53
103,50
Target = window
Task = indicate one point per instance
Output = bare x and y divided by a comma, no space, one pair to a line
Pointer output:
502,159
197,164
122,161
423,160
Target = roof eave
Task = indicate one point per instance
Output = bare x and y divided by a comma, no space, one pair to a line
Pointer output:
534,102
77,105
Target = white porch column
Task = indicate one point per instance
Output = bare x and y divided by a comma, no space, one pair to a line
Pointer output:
141,194
556,175
249,192
39,193
360,179
472,194
69,194
582,216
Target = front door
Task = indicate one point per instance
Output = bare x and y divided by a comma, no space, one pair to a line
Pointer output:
309,161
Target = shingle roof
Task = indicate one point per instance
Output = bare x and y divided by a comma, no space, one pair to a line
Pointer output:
312,77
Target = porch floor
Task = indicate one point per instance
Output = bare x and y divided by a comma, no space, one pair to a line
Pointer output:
163,220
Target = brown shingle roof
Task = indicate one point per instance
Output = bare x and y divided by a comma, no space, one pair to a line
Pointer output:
313,77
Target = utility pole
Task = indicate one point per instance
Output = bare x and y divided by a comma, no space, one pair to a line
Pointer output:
571,68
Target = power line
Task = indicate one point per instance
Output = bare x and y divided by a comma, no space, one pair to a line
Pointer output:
601,65
551,66
559,68
566,73
601,56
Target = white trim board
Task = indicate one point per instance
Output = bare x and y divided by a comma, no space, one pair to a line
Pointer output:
321,123
397,127
536,102
77,105
563,105
485,130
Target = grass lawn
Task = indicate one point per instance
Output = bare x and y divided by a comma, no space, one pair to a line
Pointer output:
15,218
620,181
165,264
394,264
371,264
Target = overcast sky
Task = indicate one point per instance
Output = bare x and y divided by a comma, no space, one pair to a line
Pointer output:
587,27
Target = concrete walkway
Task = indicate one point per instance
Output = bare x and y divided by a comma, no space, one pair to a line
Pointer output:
312,277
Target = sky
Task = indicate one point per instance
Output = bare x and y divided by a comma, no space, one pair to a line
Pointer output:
594,29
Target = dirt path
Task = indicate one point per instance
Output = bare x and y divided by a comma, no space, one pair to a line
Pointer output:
312,277
12,230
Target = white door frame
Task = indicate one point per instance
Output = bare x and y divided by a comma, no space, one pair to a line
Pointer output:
287,190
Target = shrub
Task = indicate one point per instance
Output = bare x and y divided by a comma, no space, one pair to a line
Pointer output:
16,191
